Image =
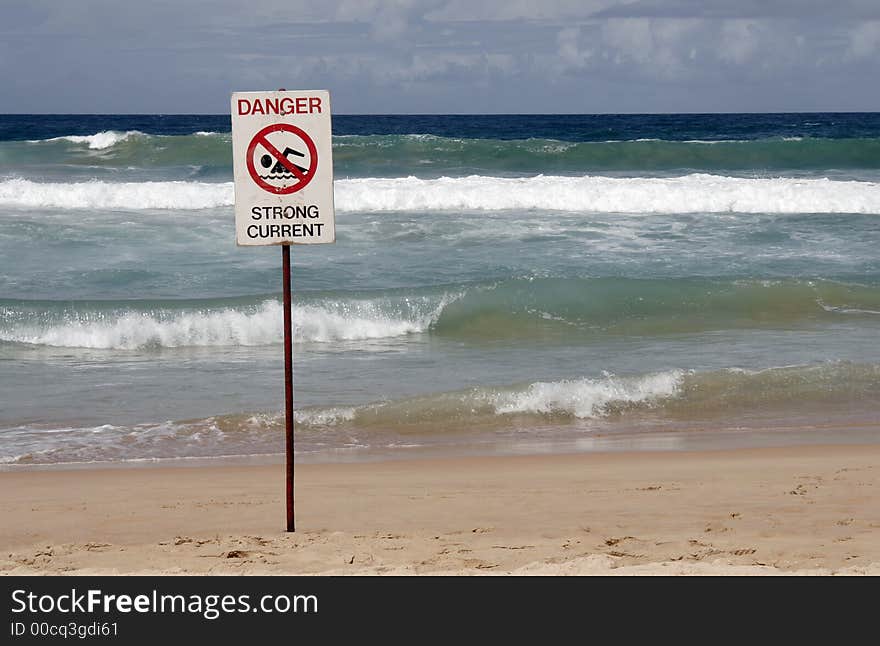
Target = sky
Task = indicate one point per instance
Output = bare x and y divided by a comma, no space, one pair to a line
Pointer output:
442,56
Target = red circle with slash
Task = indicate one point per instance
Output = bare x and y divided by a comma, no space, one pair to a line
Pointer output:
303,177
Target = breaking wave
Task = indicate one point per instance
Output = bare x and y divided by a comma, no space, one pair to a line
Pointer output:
550,309
133,196
124,328
564,409
99,140
695,193
399,154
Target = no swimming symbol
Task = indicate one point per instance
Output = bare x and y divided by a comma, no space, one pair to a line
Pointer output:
282,159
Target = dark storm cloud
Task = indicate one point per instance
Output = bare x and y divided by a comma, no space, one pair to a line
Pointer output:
442,55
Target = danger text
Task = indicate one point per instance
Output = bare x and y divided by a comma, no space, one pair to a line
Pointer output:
282,106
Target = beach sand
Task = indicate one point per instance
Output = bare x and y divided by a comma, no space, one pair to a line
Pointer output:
804,510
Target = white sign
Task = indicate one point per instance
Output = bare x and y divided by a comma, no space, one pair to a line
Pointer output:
282,162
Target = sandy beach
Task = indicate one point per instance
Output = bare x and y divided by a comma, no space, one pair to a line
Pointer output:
804,510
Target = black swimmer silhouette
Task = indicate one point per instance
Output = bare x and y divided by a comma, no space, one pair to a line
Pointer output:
279,168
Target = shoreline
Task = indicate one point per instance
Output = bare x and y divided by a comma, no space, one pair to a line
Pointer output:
802,509
638,441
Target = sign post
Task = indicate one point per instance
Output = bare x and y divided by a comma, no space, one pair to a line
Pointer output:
283,170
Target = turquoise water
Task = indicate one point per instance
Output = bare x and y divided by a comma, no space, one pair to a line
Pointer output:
496,282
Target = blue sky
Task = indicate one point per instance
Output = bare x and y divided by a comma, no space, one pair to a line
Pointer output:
443,56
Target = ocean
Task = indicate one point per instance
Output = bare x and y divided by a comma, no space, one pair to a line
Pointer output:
499,284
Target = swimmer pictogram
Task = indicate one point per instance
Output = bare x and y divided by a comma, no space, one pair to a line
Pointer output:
282,159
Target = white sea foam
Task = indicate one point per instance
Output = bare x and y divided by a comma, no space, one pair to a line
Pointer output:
695,193
138,330
704,141
324,416
99,140
589,398
353,321
115,195
317,324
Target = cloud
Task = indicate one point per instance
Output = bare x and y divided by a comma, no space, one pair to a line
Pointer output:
697,50
571,56
864,40
662,45
517,10
739,40
742,9
443,55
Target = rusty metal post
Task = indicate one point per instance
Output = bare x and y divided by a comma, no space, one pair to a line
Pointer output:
288,387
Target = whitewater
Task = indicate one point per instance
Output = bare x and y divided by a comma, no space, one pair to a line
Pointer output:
695,193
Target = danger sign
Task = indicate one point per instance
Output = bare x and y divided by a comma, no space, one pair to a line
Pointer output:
283,167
